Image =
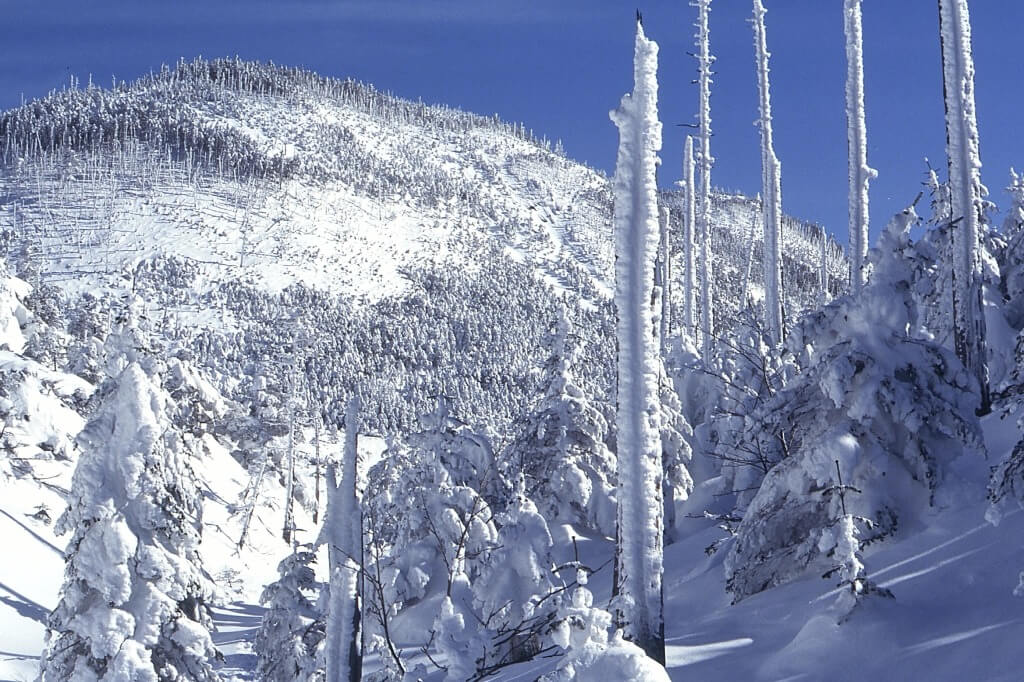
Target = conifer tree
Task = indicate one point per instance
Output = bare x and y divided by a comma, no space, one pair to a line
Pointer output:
134,605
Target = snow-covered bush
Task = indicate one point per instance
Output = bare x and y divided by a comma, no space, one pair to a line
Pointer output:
439,542
590,654
893,410
740,445
514,592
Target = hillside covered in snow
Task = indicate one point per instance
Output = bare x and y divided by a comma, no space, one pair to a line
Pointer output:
218,277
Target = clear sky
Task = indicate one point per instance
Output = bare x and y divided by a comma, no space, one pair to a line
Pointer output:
560,65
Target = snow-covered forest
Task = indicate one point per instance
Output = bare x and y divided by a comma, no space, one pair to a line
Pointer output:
300,380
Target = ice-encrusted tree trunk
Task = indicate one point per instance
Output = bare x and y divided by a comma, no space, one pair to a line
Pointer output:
707,291
823,268
857,146
640,541
664,277
966,191
343,533
689,242
771,181
751,243
288,531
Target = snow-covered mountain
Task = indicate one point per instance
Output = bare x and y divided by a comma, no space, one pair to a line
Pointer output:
273,176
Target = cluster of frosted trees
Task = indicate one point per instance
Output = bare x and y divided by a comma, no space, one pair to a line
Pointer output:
780,431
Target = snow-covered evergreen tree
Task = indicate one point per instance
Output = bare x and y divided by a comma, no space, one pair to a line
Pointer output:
291,629
1012,261
894,410
771,181
860,173
561,448
134,601
967,194
676,453
515,588
640,523
438,545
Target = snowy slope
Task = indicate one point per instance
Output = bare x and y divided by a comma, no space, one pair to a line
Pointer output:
354,187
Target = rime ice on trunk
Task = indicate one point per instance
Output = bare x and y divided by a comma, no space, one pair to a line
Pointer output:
343,533
860,173
751,243
966,191
689,242
639,551
771,176
288,532
707,293
664,276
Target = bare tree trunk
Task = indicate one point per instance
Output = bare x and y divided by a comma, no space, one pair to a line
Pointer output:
966,192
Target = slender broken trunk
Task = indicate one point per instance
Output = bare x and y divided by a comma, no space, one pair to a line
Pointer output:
707,292
860,173
966,192
771,180
690,243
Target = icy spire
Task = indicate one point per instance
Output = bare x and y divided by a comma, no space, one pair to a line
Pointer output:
639,551
860,173
966,191
771,180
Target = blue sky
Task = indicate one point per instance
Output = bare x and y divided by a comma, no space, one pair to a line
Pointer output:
560,66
